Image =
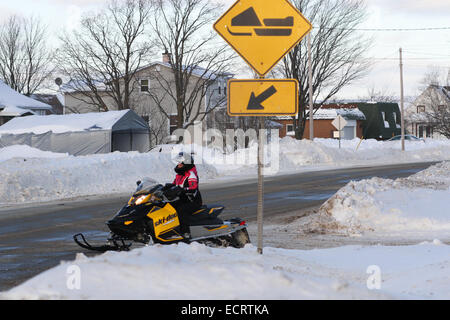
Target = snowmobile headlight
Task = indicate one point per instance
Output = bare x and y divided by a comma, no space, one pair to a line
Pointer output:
141,199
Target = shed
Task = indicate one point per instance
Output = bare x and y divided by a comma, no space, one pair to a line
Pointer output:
79,134
382,120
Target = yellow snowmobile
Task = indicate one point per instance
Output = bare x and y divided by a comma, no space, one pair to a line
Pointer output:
149,218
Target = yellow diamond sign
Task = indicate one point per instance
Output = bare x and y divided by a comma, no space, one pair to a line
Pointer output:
262,31
263,97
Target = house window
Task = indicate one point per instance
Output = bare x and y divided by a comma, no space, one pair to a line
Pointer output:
441,108
289,128
173,123
40,112
394,114
420,109
428,131
145,85
420,131
386,124
220,92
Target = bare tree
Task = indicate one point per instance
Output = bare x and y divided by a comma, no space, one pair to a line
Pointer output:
436,100
25,57
103,57
380,95
337,53
183,31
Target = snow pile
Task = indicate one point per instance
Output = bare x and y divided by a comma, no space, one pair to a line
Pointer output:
295,153
61,176
67,177
288,154
187,272
26,152
418,205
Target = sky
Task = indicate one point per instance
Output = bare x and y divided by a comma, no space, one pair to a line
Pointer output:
422,50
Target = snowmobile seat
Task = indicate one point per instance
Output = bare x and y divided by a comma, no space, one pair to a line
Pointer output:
205,221
211,211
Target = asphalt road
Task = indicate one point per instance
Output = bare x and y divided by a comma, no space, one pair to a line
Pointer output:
35,238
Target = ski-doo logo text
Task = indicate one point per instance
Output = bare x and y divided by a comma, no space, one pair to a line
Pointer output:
165,219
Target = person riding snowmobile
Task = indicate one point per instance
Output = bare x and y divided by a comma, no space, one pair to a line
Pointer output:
185,186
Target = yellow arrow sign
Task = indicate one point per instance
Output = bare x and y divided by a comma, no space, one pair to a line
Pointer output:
264,97
262,31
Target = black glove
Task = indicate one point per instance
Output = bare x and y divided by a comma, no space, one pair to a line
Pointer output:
167,186
173,192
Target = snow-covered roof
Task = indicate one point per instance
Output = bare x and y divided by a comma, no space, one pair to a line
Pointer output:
330,114
11,98
80,85
14,111
63,123
347,114
196,70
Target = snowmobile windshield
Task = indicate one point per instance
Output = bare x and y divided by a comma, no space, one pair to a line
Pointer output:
147,186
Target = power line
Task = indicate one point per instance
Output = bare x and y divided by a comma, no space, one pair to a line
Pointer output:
387,30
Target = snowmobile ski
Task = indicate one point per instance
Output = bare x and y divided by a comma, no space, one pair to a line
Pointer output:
117,244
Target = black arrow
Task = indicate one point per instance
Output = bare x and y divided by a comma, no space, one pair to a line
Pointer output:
255,102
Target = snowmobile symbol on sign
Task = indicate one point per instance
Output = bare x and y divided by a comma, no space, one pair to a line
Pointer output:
248,18
262,32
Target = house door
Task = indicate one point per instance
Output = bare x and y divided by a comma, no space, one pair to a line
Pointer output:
348,133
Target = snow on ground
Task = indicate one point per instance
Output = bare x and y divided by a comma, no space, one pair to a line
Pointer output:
30,178
404,207
26,177
198,272
416,206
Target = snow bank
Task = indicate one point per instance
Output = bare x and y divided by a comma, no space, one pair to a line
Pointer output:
67,177
295,153
418,205
61,176
26,152
187,272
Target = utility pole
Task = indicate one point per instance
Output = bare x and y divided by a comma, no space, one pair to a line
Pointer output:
402,116
311,109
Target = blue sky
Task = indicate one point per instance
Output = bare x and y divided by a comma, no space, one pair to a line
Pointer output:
422,49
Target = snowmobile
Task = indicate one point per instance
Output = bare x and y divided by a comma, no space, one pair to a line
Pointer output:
149,218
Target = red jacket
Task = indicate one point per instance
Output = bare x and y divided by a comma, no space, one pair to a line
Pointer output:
189,182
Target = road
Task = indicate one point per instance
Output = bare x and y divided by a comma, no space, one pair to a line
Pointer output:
35,238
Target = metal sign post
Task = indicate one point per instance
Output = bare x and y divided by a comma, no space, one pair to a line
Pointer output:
339,123
260,208
262,33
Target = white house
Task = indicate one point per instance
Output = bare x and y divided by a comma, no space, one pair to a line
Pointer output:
418,113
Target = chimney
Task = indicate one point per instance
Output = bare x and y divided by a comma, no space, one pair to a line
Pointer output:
166,57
